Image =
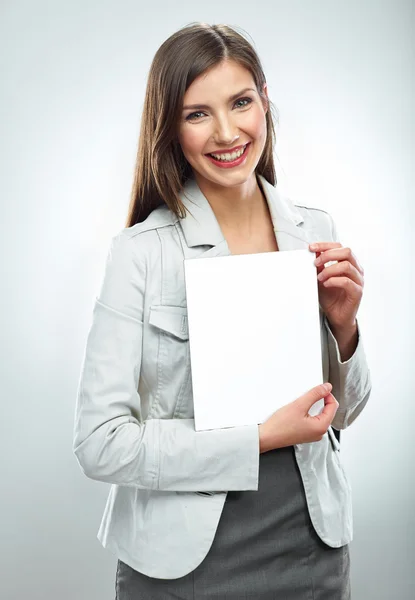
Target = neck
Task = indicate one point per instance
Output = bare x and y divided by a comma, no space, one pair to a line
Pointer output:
237,208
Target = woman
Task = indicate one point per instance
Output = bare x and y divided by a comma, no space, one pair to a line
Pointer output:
259,511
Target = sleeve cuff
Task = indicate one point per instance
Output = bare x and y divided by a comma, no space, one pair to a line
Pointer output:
334,350
350,379
214,460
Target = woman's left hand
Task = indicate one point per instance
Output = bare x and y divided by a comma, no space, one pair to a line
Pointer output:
340,286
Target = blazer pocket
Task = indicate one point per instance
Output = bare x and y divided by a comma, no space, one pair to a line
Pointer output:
173,398
170,319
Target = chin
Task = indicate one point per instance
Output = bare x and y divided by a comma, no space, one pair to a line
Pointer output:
227,179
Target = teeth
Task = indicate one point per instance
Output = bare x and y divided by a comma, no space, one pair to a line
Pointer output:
229,157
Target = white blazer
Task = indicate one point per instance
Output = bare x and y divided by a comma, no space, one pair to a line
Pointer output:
134,420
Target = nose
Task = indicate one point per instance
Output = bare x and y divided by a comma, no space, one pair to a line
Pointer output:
225,133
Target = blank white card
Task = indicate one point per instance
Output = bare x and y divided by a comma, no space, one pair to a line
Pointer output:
254,334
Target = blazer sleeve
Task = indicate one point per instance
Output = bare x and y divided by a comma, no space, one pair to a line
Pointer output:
350,379
111,441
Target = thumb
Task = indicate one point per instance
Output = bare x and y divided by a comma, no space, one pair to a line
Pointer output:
307,400
329,411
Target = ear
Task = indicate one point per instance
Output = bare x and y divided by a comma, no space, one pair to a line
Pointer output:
265,100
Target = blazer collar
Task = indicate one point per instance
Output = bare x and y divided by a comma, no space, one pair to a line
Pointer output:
201,228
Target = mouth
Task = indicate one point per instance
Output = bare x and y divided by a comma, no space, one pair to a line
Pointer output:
230,159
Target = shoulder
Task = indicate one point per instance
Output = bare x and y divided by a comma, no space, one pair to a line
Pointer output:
319,219
312,217
145,237
312,212
298,212
159,218
133,254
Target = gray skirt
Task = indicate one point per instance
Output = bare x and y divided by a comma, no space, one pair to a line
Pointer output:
265,548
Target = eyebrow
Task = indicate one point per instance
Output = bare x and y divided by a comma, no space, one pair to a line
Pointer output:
188,106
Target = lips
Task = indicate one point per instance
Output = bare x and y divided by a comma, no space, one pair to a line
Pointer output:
220,152
230,164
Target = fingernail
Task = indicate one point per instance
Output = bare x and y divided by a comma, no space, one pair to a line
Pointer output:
327,386
313,246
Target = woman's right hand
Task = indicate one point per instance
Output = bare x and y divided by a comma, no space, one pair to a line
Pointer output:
291,424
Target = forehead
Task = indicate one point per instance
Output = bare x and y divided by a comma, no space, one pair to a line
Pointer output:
222,79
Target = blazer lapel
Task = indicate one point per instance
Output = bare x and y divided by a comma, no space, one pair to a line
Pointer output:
204,236
287,220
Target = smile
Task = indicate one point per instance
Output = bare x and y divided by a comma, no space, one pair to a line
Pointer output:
228,160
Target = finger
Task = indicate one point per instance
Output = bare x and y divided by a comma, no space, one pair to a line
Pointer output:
353,289
316,393
323,246
329,411
339,254
341,268
322,258
320,265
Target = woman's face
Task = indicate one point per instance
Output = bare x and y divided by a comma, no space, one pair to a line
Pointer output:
227,105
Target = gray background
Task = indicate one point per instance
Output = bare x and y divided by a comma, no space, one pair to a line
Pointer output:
72,82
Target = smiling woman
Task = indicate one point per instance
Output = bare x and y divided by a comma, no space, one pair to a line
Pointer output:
208,138
261,511
214,101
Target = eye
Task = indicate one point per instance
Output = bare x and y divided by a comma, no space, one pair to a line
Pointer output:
189,117
247,100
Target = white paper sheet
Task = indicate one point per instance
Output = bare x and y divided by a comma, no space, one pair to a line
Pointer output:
254,334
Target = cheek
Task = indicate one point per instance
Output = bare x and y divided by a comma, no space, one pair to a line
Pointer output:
192,141
257,124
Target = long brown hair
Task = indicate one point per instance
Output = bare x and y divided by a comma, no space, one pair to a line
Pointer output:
161,168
